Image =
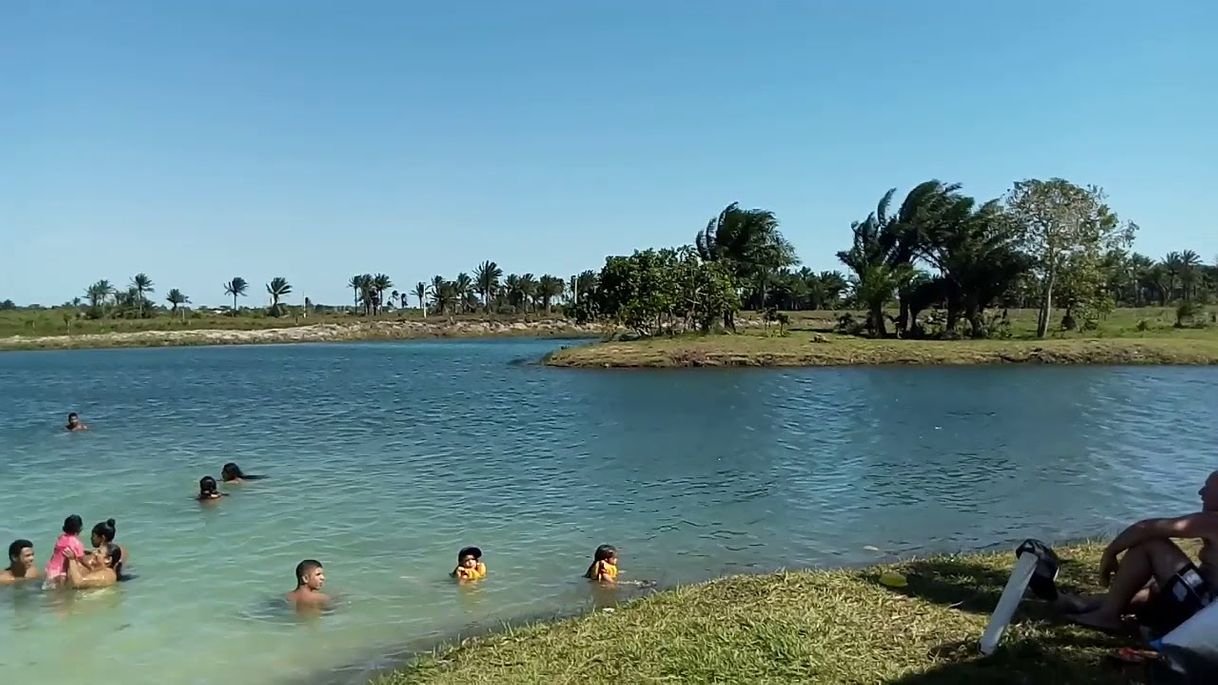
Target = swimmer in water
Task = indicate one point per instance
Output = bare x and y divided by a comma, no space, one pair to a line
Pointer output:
310,579
81,577
604,565
102,538
233,475
74,424
469,565
208,490
20,563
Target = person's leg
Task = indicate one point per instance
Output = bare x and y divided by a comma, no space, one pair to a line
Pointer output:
1156,560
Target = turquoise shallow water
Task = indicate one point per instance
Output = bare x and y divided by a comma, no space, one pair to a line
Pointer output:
386,458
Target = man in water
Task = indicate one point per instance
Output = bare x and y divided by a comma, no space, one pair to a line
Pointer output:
310,579
74,424
20,564
1154,567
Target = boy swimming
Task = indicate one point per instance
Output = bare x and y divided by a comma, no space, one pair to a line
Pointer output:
310,579
469,565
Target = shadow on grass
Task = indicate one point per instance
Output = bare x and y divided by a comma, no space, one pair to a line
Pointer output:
1029,662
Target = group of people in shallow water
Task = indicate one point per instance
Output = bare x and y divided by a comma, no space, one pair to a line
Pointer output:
71,566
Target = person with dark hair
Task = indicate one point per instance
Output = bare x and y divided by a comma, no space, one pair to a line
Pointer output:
81,577
604,565
57,568
233,475
102,538
74,424
208,490
20,563
310,579
469,565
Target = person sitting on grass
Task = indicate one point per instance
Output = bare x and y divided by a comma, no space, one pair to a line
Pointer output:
310,579
469,565
20,563
1154,568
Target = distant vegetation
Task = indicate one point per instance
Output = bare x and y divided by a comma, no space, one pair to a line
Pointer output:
938,265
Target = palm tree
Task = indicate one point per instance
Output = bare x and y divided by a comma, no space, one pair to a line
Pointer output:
751,245
486,281
549,288
511,290
142,284
236,287
356,285
381,283
277,288
420,291
98,294
395,297
177,298
1189,261
367,296
528,290
463,288
1173,264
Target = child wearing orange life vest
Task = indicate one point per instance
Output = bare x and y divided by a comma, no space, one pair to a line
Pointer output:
469,565
604,565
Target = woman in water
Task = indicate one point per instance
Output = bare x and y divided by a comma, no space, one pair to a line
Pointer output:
68,543
20,563
103,539
233,475
81,577
74,424
604,565
469,565
208,490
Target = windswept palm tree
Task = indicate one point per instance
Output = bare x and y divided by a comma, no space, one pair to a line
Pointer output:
486,281
98,294
142,284
528,290
367,295
236,288
420,291
277,289
177,298
463,289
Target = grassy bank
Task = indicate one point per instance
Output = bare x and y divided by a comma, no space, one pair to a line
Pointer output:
805,626
1133,336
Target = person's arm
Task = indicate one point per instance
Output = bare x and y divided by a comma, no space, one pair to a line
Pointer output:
1192,526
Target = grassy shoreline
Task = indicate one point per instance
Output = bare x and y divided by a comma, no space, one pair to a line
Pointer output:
824,626
306,333
802,348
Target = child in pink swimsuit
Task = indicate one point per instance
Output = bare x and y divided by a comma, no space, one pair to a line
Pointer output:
57,567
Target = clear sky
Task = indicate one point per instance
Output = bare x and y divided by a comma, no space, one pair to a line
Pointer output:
197,141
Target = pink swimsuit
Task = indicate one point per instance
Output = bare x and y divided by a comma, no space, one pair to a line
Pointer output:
57,567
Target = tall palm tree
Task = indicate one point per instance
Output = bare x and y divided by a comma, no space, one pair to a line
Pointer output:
463,289
381,283
236,287
142,284
177,298
486,281
512,291
367,296
356,285
1189,261
1173,264
528,290
277,288
395,297
420,291
749,242
549,288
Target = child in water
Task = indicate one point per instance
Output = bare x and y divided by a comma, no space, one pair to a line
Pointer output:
469,565
604,565
69,542
208,490
103,539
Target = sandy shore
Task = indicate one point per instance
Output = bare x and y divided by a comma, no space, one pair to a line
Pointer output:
328,332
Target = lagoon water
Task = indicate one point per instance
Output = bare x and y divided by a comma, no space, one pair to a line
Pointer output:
385,458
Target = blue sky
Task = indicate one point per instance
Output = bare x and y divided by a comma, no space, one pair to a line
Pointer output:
314,140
